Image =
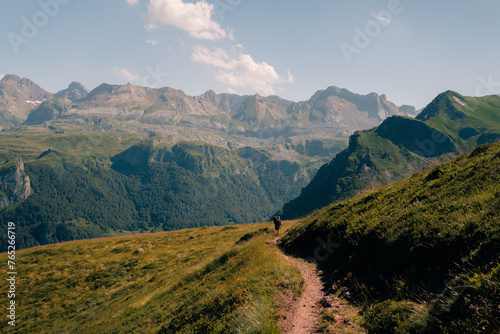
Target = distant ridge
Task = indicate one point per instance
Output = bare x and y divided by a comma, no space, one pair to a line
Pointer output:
332,108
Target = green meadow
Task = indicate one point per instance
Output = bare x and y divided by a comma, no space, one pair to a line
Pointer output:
207,280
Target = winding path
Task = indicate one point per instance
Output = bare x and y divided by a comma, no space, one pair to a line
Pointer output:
301,316
305,311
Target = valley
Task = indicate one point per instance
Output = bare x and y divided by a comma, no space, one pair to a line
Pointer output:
165,160
435,268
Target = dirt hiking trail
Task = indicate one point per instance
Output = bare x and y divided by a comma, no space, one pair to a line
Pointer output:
302,316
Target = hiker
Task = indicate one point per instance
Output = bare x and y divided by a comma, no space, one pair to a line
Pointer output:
277,224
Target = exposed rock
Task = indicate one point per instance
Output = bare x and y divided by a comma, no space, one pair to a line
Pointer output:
48,111
408,110
75,91
14,184
20,96
260,110
332,108
343,108
139,251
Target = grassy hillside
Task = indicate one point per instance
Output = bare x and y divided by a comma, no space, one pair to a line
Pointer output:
421,255
401,146
208,280
476,119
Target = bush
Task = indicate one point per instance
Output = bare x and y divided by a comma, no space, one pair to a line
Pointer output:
393,317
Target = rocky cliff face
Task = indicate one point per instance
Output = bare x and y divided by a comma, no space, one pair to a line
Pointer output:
14,184
260,110
341,107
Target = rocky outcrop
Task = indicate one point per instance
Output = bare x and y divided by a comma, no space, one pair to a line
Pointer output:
14,184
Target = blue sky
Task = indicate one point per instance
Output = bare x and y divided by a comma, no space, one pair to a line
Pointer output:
409,50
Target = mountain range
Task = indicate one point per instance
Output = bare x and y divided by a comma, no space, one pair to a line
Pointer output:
331,109
152,149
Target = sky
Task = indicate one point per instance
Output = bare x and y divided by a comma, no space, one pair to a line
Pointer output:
409,50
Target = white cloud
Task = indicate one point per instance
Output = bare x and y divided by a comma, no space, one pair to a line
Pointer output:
383,19
150,26
133,2
195,18
124,73
290,76
237,70
1,76
152,42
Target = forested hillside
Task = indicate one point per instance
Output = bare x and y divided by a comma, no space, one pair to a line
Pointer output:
151,186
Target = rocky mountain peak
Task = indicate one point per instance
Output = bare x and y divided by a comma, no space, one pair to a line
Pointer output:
333,90
74,92
20,96
209,96
24,88
10,77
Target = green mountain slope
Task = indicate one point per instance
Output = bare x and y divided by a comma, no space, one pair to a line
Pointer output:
421,255
208,280
401,146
